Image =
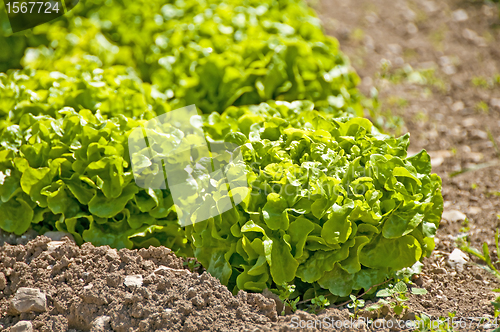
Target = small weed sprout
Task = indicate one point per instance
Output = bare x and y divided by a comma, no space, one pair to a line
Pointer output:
356,305
480,82
465,226
320,302
486,258
284,295
192,265
397,295
464,245
482,107
496,303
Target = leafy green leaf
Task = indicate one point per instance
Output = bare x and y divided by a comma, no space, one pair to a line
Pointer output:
15,215
418,291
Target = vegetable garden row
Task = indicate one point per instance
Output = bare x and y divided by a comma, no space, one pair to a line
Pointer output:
336,205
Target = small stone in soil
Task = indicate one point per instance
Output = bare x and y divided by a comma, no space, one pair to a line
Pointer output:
22,326
133,281
457,259
100,323
439,270
460,15
28,299
453,215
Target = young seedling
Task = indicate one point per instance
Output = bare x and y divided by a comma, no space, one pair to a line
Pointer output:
320,302
465,226
481,82
490,265
485,255
397,296
482,107
192,265
496,303
356,305
284,293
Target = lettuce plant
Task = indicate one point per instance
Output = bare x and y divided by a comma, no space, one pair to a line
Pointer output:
110,92
210,53
66,169
333,203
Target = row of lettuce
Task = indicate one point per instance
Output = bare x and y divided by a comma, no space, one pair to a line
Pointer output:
210,53
334,206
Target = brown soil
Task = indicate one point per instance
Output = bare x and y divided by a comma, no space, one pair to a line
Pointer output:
89,288
450,115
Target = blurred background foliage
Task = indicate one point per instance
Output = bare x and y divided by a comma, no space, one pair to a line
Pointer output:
210,53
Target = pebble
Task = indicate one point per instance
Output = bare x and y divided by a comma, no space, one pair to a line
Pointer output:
112,254
437,161
439,270
22,326
474,210
495,103
479,134
399,61
191,292
395,49
101,323
449,70
27,300
474,37
453,216
411,28
372,18
409,15
458,106
53,245
369,43
457,259
445,61
430,6
133,281
460,15
469,122
367,81
162,269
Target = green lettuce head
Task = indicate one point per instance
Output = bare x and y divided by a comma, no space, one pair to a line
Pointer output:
333,205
